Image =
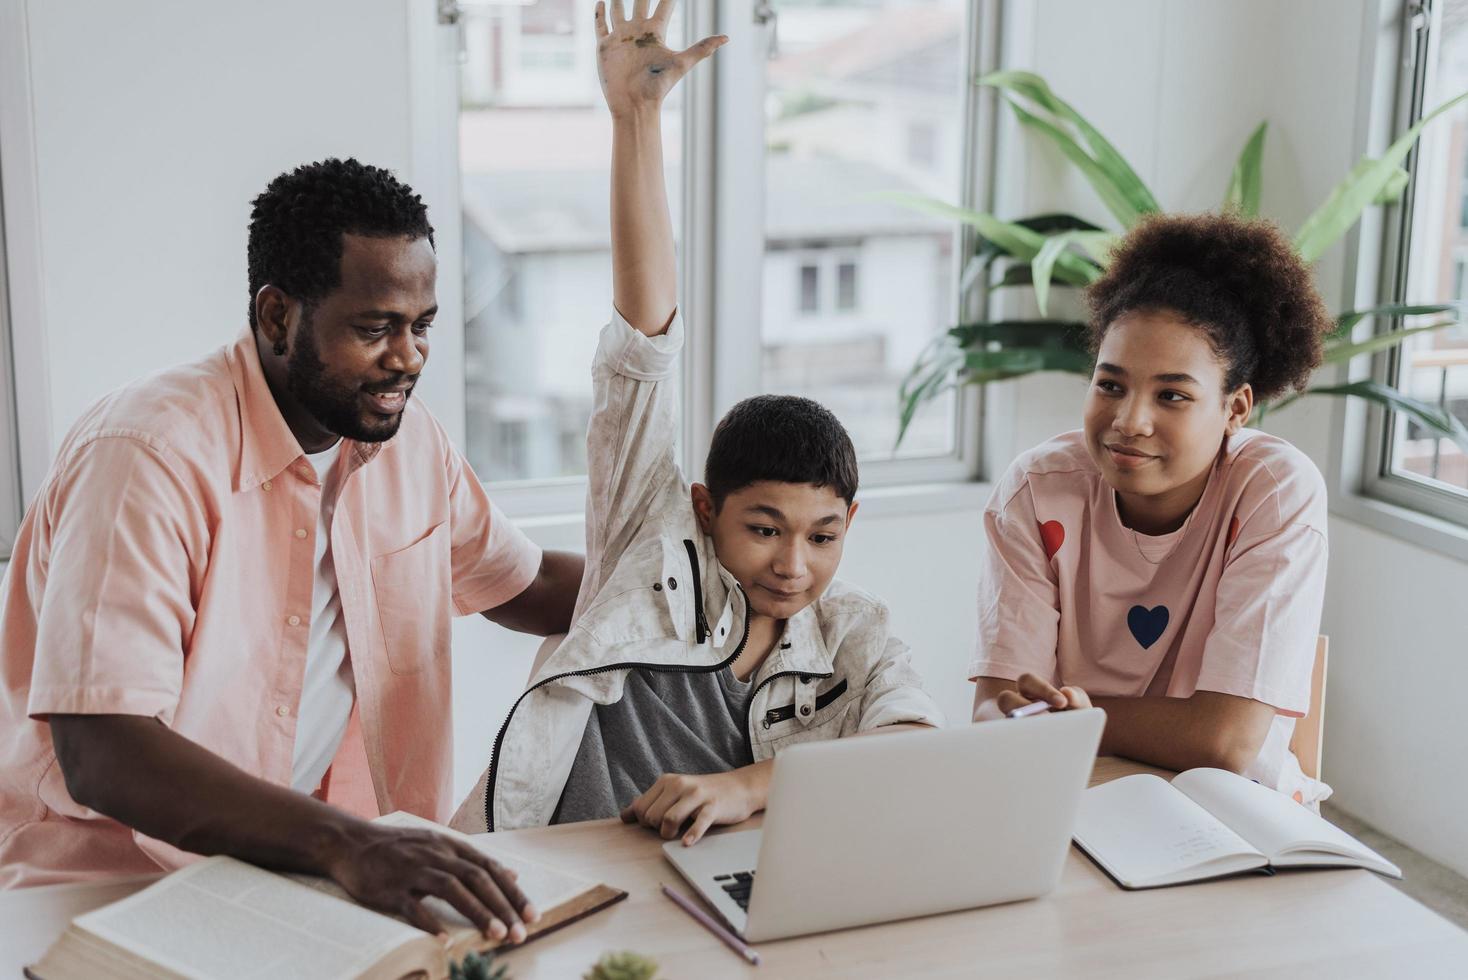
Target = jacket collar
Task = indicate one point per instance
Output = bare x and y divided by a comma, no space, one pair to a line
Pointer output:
801,648
267,445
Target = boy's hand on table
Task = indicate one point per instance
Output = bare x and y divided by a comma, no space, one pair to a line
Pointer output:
637,69
714,799
392,869
1029,688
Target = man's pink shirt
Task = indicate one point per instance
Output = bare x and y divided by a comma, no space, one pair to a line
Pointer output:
165,570
1231,602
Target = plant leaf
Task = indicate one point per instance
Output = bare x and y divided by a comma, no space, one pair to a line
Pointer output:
1346,322
1067,334
1394,187
1244,186
1363,185
1431,417
1341,352
1037,90
1026,360
1102,182
1044,262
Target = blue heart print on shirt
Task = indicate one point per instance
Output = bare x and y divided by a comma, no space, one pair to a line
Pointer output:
1147,625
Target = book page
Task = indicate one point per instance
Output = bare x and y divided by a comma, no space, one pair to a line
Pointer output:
1269,820
545,887
224,918
1143,831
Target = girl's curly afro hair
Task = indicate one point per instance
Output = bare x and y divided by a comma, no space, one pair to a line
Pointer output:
1238,280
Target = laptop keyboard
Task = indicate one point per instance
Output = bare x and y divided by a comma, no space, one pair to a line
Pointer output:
737,884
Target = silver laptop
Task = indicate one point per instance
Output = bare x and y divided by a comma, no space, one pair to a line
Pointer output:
873,829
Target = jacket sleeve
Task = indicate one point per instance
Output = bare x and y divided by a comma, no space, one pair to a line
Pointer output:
894,691
630,440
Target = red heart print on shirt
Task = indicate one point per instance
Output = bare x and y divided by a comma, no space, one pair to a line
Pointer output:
1052,536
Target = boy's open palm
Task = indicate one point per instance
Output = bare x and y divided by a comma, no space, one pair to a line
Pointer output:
637,68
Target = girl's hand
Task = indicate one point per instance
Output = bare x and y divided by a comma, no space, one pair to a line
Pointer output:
1029,688
637,69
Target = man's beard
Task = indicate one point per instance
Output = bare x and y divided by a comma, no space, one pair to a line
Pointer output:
337,407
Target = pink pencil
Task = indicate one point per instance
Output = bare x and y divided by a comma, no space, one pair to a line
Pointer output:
728,938
1033,708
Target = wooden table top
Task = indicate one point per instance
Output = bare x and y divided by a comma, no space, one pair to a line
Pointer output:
1336,923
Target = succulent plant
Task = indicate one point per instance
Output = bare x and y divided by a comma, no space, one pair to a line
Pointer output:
623,966
479,966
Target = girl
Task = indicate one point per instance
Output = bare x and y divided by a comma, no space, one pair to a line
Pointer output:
1164,562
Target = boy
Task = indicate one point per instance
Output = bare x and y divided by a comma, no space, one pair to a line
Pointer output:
708,634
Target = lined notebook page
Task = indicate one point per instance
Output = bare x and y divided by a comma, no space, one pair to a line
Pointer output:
1142,830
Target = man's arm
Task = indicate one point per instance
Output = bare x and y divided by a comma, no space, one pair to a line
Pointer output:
144,775
545,606
637,71
1219,731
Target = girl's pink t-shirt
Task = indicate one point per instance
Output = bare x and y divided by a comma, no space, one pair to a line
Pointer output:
1230,602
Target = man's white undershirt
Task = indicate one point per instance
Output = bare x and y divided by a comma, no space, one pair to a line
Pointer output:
328,691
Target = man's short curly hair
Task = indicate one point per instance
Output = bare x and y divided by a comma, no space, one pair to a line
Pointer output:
297,224
1239,280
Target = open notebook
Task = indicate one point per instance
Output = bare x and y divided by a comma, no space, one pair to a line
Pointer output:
227,919
1207,823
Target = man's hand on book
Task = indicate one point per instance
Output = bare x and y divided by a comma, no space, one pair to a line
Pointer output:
701,802
392,870
637,69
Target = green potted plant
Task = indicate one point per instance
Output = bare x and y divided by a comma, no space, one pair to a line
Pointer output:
1061,250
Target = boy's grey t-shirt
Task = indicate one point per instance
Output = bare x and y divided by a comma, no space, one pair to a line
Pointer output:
689,722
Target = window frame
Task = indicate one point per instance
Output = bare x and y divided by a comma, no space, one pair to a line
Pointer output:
1440,503
722,198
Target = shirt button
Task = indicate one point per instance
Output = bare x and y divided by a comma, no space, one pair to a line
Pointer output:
672,583
805,709
300,532
657,586
267,485
294,620
282,711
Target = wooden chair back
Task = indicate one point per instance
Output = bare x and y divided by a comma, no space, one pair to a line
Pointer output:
1309,737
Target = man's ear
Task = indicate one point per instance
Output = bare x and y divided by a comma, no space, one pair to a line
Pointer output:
274,313
1240,407
703,507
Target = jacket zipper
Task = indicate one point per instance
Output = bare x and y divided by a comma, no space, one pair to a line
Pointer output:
753,695
661,668
776,715
700,622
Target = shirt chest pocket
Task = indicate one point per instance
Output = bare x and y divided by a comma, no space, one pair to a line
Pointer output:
411,588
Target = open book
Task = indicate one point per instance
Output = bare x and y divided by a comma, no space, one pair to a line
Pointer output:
1207,823
223,918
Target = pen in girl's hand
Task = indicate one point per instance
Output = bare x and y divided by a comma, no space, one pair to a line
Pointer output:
1033,708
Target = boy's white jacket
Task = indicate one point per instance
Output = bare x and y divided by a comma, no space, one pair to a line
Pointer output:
836,670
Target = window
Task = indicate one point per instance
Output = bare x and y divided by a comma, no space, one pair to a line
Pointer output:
846,287
534,158
858,98
1428,249
810,289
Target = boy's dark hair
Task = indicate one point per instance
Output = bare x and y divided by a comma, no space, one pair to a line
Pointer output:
1238,280
297,224
784,439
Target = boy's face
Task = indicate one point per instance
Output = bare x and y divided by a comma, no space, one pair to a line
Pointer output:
781,541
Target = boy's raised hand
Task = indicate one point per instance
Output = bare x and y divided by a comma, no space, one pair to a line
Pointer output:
637,69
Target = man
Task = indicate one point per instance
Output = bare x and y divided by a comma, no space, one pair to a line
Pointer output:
229,605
